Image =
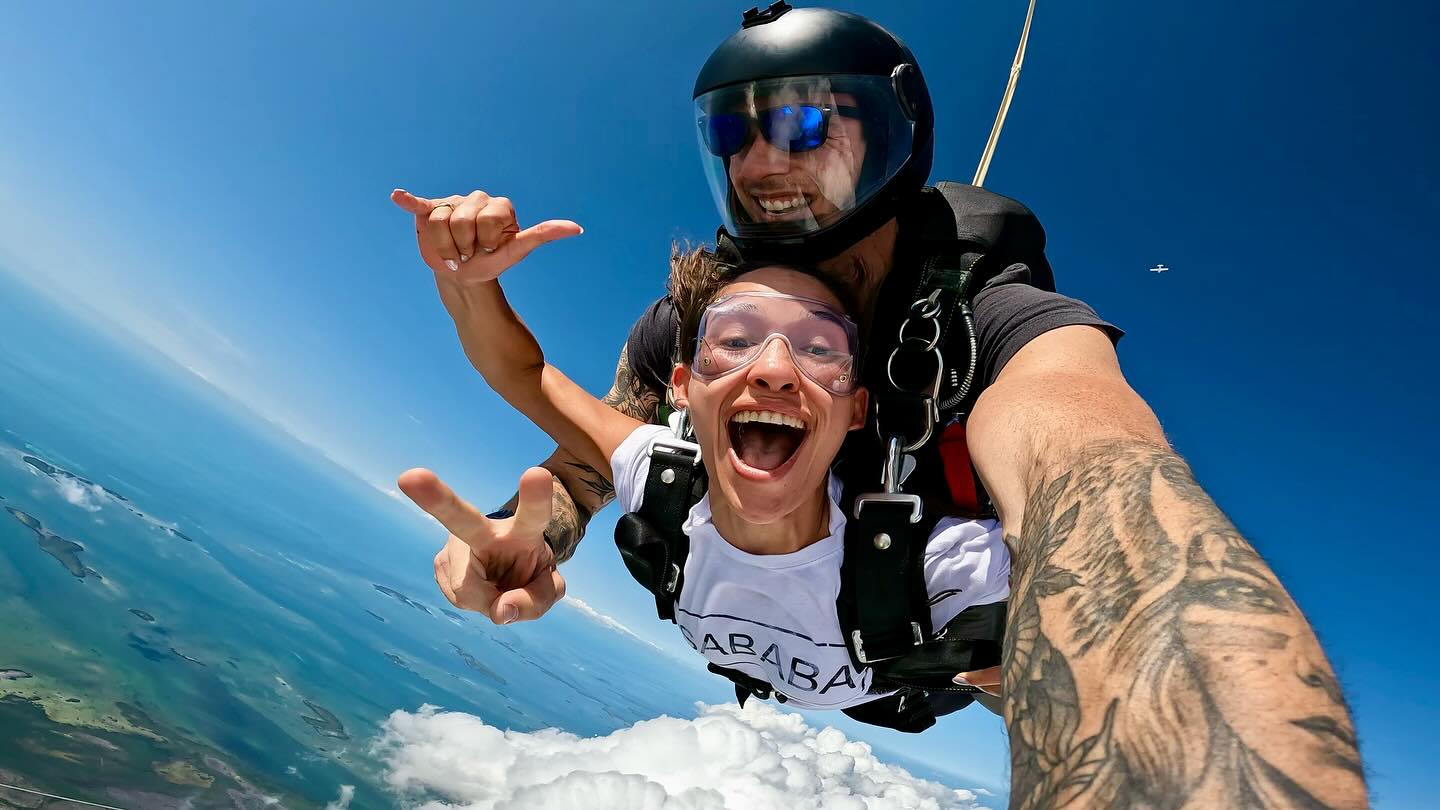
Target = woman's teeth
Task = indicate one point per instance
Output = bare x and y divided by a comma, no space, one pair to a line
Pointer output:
768,417
780,205
765,440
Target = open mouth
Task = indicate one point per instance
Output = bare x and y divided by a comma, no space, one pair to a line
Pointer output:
765,441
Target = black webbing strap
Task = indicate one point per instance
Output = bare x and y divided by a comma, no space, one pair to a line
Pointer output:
669,494
746,685
908,710
972,640
883,580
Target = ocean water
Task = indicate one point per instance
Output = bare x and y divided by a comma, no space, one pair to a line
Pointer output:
194,606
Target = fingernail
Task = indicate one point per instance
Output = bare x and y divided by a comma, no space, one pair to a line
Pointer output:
960,679
452,264
582,230
464,258
508,614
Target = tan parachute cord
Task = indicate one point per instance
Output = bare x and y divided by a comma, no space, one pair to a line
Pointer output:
989,153
61,798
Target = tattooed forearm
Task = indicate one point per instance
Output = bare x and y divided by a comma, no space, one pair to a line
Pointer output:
567,518
630,395
566,526
580,489
596,484
1154,660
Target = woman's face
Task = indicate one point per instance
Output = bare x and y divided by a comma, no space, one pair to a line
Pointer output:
766,470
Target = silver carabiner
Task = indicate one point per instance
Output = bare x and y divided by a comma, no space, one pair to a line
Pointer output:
894,463
891,476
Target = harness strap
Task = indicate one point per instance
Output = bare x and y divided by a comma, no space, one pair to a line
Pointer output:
972,640
882,580
746,685
949,279
654,532
908,710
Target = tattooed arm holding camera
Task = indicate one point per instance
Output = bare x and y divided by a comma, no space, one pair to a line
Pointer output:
1152,657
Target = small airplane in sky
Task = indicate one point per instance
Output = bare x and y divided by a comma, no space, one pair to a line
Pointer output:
1159,268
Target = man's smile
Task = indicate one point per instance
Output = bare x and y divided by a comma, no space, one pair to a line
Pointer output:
780,204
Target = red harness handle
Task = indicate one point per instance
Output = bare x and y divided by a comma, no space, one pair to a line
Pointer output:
959,472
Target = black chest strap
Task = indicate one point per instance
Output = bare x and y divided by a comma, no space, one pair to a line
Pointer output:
747,685
908,710
651,541
882,604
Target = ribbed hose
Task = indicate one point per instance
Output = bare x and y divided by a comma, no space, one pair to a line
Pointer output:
968,318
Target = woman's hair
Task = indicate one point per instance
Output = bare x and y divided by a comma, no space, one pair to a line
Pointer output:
696,277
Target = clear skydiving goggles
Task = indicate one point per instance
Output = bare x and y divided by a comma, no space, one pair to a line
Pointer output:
736,329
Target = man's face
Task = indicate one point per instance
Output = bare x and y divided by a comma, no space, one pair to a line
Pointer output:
776,185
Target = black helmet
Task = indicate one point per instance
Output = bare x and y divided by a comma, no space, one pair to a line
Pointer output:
814,126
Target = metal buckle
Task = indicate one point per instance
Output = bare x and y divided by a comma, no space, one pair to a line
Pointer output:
890,478
916,509
677,447
676,444
858,642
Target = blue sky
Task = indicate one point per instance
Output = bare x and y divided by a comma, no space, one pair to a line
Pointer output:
212,180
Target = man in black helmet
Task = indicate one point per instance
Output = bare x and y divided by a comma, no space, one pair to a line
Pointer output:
1151,658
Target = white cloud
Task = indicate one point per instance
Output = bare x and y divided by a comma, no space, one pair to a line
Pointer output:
214,338
78,494
728,758
347,792
597,616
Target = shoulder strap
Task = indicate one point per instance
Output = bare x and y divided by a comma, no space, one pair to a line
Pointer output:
883,605
995,225
908,710
883,602
960,225
651,541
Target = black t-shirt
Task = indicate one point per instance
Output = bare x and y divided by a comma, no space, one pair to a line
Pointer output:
1009,313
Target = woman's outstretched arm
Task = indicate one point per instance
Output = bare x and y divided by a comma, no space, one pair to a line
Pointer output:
496,341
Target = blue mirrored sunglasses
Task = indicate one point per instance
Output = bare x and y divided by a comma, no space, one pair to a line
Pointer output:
789,127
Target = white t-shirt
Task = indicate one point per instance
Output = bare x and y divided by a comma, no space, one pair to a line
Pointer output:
772,616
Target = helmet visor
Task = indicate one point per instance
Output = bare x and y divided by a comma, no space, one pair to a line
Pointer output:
787,157
735,330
